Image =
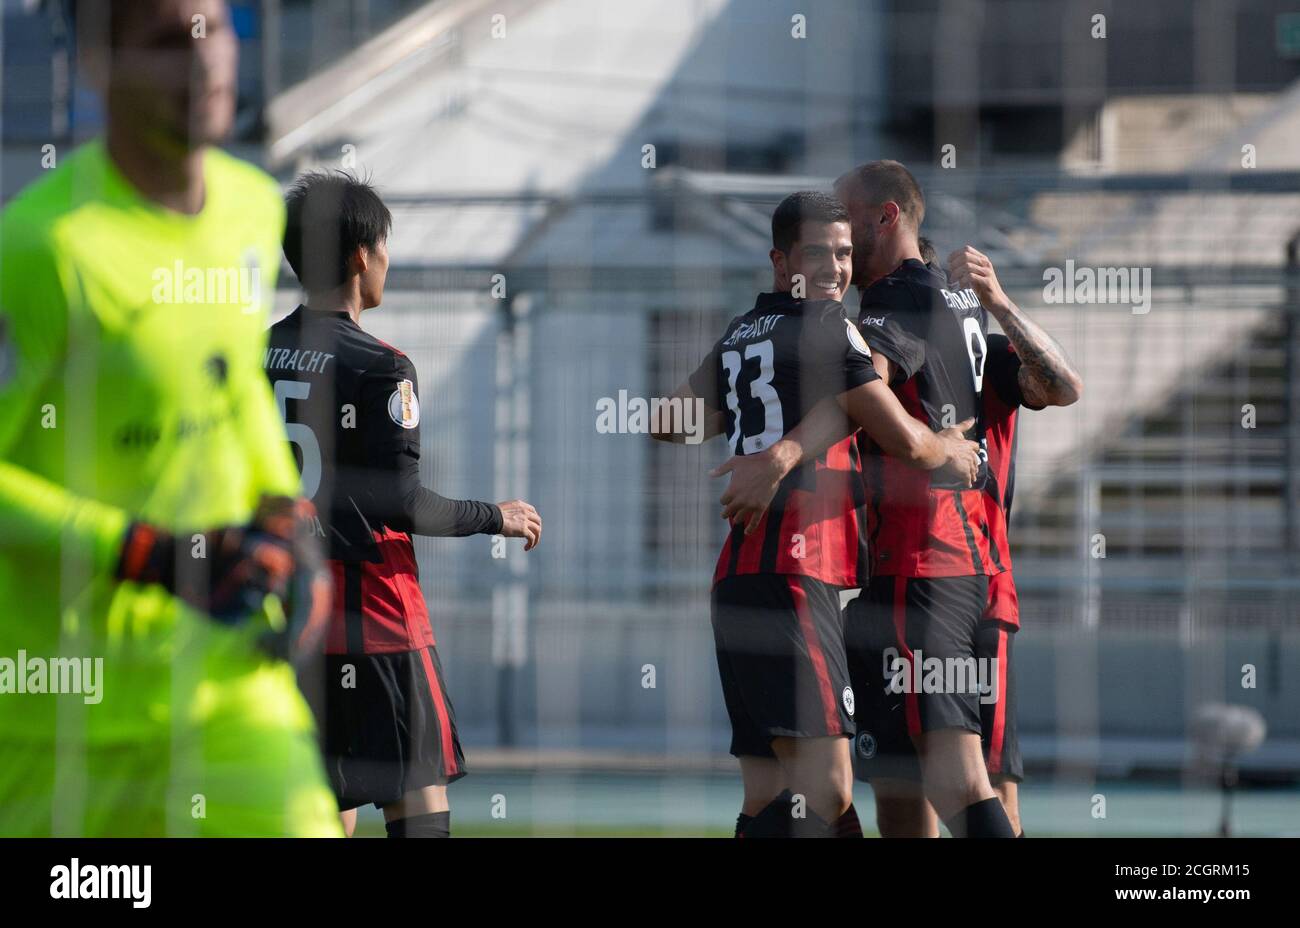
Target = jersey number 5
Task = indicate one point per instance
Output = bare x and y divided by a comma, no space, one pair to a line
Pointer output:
760,390
299,434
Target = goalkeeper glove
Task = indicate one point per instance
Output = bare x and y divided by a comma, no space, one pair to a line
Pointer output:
308,597
226,573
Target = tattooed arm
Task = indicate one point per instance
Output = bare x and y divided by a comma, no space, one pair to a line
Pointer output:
1047,378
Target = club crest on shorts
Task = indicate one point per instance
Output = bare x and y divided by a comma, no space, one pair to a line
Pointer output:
404,405
866,745
847,697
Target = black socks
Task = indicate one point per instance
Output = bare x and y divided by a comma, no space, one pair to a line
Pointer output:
847,825
432,825
985,819
777,820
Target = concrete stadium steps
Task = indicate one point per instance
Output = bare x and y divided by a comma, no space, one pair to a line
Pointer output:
1185,465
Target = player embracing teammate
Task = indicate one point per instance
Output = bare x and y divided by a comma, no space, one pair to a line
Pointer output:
939,592
930,557
1025,368
776,594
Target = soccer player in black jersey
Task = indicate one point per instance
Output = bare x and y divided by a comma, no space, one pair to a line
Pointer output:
1026,369
775,603
930,556
352,411
938,541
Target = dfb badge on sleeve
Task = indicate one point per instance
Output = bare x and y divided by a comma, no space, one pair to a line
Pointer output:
404,405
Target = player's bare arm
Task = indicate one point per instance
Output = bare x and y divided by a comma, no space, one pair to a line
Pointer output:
877,411
884,367
665,429
756,477
874,408
958,463
1047,378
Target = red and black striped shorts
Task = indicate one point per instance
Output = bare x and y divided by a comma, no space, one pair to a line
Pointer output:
780,646
388,726
922,657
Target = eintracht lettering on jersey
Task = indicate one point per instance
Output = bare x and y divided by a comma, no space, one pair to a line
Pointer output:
747,330
302,361
961,299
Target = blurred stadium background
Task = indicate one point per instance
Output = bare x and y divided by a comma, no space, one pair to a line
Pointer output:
516,147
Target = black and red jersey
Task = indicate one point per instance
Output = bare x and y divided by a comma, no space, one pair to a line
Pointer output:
1002,401
352,413
936,338
771,366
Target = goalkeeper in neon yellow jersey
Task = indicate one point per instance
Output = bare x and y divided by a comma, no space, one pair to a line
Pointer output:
147,533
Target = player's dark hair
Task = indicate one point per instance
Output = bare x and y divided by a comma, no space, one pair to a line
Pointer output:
330,215
928,254
889,181
800,207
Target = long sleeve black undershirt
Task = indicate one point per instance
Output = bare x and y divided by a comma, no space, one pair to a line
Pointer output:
407,506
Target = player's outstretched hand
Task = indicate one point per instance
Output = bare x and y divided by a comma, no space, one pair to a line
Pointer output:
971,268
226,573
754,481
963,455
520,520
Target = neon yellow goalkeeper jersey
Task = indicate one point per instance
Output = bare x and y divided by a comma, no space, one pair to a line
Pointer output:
131,386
